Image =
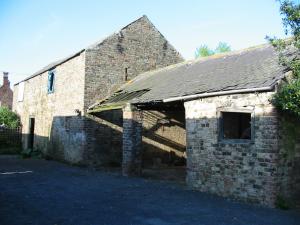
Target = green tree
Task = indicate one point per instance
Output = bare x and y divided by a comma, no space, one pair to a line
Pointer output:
204,50
222,47
288,97
9,118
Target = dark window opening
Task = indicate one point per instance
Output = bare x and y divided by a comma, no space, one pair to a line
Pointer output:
236,125
51,75
126,74
31,133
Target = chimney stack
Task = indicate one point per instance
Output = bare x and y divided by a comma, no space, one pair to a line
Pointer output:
5,79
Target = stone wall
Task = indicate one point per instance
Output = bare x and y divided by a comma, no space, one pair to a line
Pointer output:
54,113
149,135
289,164
132,141
137,48
104,138
247,171
164,139
67,140
63,130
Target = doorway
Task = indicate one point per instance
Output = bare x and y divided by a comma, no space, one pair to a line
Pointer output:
164,143
31,133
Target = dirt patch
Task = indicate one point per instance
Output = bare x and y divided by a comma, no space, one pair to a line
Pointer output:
176,173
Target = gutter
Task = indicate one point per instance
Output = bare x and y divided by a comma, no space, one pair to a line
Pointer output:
204,95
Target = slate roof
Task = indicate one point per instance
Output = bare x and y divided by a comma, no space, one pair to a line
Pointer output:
250,68
52,65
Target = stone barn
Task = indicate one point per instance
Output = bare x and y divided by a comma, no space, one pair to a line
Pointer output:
52,102
236,143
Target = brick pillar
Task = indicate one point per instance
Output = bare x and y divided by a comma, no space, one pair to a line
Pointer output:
132,141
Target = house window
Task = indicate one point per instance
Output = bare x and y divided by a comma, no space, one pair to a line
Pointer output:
51,75
21,92
236,126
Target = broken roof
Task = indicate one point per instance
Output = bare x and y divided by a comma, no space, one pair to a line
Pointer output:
256,67
61,61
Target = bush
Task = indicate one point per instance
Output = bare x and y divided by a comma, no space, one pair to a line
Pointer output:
282,203
9,118
11,150
288,98
31,153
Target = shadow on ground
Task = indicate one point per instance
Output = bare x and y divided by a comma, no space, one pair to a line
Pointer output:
54,193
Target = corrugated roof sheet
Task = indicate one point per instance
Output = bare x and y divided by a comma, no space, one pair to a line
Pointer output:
251,68
118,100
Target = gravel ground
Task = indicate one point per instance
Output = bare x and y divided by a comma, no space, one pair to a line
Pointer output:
48,192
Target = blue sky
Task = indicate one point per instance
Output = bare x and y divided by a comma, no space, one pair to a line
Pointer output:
34,33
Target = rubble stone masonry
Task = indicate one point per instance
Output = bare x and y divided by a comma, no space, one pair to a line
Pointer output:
58,129
253,171
63,130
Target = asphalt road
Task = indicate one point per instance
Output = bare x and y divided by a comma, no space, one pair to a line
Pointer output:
47,192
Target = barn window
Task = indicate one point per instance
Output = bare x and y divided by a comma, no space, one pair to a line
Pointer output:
21,92
51,76
236,126
126,74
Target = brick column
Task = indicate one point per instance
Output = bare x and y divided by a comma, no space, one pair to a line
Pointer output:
132,141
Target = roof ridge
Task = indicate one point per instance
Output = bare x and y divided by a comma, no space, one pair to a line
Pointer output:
231,53
65,59
192,61
114,33
256,68
141,17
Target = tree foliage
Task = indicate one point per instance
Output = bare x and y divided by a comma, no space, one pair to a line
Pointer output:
222,47
288,97
8,118
204,50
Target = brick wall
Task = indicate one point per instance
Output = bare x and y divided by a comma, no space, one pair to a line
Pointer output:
6,95
246,171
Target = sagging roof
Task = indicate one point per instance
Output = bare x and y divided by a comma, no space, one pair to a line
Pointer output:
255,67
61,61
